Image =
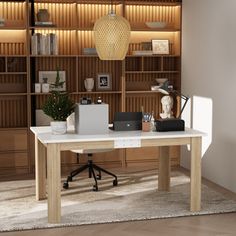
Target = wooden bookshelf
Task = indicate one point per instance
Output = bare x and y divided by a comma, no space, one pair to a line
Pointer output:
73,22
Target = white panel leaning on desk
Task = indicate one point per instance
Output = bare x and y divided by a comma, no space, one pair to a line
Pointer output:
48,148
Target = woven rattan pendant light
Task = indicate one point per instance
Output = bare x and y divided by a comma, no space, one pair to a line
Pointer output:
111,36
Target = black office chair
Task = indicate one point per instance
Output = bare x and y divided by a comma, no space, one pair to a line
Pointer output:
91,167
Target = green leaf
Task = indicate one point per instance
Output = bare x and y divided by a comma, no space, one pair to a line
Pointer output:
58,106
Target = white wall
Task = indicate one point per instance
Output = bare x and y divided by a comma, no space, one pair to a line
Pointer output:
208,65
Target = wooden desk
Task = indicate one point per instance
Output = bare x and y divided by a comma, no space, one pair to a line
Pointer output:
50,146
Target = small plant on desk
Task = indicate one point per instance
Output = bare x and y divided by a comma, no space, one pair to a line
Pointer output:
58,106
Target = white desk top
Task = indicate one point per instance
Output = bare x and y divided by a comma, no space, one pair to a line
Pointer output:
45,136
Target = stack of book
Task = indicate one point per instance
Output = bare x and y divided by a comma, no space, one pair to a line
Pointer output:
89,51
44,24
44,44
142,53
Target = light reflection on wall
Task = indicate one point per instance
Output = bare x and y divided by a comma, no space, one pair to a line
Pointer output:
202,110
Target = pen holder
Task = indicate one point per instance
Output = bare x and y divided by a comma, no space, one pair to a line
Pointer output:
146,126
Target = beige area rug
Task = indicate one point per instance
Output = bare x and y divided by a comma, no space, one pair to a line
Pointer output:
135,198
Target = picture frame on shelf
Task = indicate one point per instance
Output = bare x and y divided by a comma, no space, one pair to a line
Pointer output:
104,82
160,46
51,79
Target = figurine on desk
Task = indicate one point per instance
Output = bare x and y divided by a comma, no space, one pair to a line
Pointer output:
167,105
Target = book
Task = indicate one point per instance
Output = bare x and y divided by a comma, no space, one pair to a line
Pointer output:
47,44
34,46
53,44
42,44
38,42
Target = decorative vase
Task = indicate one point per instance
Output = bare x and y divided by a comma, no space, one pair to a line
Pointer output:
37,88
58,127
45,86
89,84
43,15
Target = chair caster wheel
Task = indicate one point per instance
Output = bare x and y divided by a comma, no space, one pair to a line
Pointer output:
69,179
95,188
99,177
65,185
115,182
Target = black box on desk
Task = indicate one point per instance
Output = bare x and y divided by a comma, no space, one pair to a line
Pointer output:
127,121
127,125
172,124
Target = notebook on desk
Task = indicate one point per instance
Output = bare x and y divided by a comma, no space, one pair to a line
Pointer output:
127,121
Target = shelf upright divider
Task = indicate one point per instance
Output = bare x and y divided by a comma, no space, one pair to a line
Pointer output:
77,49
28,99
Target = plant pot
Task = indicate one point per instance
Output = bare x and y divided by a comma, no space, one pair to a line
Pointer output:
43,15
58,127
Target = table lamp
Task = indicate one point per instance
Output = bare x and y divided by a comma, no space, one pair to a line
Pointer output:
171,124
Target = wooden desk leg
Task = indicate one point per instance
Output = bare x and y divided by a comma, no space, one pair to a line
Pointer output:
54,183
123,158
40,170
164,169
195,202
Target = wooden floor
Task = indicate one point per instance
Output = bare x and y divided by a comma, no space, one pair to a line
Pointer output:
218,224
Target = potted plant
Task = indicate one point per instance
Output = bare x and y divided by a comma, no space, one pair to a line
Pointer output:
58,106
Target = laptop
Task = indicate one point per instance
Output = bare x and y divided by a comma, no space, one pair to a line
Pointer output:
127,121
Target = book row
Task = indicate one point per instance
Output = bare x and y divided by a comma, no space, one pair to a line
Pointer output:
44,44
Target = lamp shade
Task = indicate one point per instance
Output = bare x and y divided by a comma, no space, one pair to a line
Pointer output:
111,36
